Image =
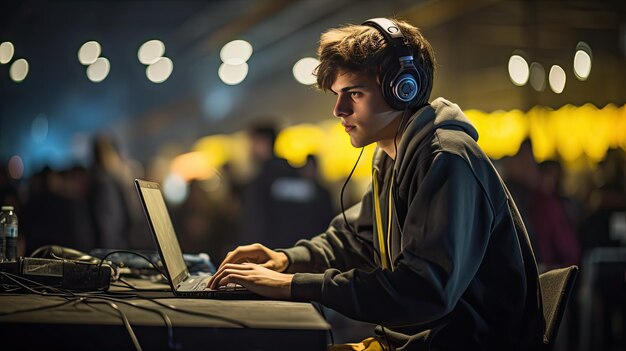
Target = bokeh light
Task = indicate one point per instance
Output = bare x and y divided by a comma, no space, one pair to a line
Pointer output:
303,70
89,52
557,79
160,71
99,70
233,74
236,52
16,167
39,129
518,70
19,70
175,189
582,61
537,76
6,52
150,51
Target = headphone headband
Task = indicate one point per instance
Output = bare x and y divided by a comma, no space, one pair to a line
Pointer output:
402,88
393,35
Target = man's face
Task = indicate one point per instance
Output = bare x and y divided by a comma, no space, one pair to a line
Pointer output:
364,113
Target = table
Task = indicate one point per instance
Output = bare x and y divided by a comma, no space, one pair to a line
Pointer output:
92,323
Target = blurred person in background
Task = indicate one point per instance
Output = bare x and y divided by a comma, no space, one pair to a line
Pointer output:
436,252
107,201
274,200
321,210
604,219
554,228
48,216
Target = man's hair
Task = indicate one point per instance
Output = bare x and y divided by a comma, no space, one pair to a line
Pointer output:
363,49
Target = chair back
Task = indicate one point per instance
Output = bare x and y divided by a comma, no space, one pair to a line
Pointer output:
556,288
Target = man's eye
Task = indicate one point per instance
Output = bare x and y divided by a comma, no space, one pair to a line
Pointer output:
355,94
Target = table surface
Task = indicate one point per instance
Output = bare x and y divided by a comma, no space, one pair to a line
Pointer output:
246,324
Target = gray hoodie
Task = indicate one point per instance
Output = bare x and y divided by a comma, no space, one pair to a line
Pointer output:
462,274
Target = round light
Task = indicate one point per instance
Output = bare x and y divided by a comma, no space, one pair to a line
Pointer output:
233,74
557,79
39,128
98,71
159,71
303,70
537,76
19,70
175,189
236,52
150,52
6,52
89,52
518,70
582,65
16,167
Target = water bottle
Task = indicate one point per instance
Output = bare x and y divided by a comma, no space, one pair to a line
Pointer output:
2,238
8,224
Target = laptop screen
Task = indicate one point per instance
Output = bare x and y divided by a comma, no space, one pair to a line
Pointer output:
162,230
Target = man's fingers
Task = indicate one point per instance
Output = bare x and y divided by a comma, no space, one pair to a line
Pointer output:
241,254
225,271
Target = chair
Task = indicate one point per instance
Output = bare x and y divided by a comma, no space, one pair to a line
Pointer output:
556,288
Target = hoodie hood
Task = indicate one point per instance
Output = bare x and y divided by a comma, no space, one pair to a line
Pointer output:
443,114
440,113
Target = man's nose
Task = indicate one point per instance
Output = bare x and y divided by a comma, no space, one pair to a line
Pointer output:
342,108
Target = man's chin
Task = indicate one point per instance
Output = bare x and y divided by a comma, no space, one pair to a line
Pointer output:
358,143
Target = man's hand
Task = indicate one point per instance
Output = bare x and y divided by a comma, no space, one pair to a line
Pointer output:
255,278
257,253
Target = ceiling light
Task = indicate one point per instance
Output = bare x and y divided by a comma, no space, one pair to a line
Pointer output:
236,52
150,51
537,76
557,79
303,70
98,71
582,61
19,70
233,74
518,70
6,52
159,71
89,52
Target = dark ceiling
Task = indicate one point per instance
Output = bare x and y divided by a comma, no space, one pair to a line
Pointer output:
473,41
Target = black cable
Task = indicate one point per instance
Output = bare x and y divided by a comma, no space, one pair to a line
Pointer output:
59,292
343,212
84,297
137,254
40,308
127,325
168,322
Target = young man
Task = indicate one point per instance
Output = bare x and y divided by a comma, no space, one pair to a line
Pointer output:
435,252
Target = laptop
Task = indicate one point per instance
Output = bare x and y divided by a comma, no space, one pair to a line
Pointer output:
183,284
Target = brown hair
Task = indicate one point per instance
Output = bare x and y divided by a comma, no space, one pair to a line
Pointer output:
363,49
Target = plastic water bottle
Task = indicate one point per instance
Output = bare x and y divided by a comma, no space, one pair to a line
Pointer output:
8,224
2,237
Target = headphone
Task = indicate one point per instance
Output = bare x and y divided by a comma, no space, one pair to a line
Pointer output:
400,90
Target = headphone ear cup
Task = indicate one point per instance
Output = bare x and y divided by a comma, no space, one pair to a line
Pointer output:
405,88
400,89
387,90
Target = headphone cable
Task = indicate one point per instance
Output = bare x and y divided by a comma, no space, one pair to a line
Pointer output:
343,212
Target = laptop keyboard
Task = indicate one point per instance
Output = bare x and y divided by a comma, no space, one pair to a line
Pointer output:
230,287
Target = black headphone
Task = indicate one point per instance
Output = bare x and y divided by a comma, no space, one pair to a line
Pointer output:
401,89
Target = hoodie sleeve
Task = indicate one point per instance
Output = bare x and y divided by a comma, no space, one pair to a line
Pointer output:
338,247
445,235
